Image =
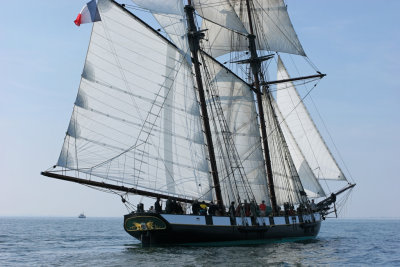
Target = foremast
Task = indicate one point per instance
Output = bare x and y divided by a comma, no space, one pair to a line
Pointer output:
194,37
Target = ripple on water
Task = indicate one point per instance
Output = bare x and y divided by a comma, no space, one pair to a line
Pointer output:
103,242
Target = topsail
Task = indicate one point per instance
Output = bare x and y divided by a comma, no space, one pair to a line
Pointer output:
276,32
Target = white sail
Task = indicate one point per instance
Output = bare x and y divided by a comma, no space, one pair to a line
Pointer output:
220,12
171,17
310,183
304,130
136,119
240,114
276,32
287,183
175,28
165,7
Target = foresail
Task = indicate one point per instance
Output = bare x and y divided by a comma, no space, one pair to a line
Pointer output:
237,102
304,130
310,183
136,119
275,31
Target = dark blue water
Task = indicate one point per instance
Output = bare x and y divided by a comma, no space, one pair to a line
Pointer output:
103,242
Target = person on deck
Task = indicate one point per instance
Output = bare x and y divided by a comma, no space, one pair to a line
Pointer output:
195,207
301,209
174,207
140,207
254,212
246,208
168,206
286,208
203,208
178,208
212,209
313,206
291,210
184,207
268,210
238,210
158,206
232,213
263,209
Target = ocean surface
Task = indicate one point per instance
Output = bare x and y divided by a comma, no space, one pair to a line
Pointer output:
103,242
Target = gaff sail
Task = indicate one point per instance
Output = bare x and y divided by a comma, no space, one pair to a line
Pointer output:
136,119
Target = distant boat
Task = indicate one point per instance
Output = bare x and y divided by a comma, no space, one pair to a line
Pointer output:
82,216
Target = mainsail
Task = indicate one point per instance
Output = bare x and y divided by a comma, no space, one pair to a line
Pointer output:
136,119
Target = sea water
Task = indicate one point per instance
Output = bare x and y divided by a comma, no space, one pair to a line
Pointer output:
103,242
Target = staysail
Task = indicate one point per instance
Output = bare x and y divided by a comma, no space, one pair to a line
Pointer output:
304,130
310,183
276,32
136,120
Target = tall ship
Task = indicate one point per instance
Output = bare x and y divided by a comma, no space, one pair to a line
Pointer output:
176,103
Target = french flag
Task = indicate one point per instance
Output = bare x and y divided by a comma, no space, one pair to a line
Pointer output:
89,13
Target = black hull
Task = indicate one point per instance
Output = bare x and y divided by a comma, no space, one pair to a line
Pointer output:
189,234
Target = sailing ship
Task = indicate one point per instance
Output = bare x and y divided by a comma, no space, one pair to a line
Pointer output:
82,216
186,111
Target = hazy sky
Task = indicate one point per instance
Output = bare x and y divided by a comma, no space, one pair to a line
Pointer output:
357,43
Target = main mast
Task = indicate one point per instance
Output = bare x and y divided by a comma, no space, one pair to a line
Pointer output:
255,64
194,40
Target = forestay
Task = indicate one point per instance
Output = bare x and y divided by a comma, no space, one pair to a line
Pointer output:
136,119
304,131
